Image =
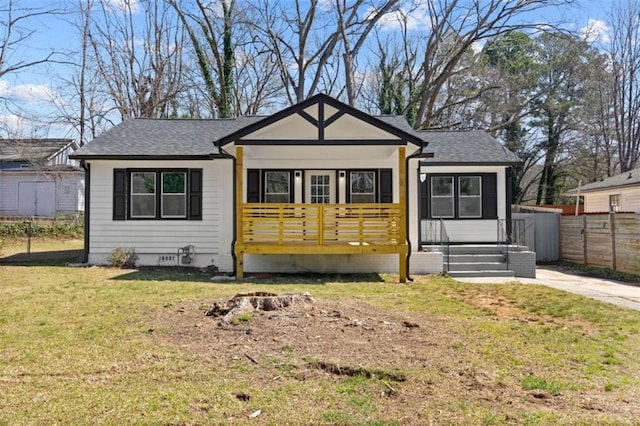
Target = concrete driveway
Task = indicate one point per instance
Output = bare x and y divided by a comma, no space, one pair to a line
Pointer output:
608,291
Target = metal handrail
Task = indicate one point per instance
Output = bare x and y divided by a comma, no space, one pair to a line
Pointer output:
444,239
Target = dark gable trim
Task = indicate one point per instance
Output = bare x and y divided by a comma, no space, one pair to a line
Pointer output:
320,99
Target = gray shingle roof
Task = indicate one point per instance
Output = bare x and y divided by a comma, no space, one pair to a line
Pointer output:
629,178
142,137
30,149
147,137
465,146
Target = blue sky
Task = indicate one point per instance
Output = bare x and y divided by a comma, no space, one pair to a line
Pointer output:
31,92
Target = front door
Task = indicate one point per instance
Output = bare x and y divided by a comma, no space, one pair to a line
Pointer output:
320,187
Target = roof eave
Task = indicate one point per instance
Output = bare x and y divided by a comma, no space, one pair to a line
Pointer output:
145,157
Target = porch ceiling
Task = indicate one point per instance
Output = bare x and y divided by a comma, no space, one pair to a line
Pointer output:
319,152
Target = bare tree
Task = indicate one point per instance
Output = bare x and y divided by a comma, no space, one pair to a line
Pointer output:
17,26
625,62
210,26
454,27
139,60
307,40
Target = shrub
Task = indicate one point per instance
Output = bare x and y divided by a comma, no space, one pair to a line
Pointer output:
122,257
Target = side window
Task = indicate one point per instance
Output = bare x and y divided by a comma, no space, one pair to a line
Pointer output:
277,186
442,202
362,187
143,195
174,194
614,202
157,194
461,196
470,196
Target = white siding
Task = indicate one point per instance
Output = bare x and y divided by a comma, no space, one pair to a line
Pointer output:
211,236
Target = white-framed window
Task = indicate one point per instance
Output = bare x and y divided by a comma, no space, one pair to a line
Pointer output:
442,197
277,186
614,203
469,196
143,195
362,186
174,194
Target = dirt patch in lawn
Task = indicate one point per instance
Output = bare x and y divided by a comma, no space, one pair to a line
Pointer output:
419,368
503,308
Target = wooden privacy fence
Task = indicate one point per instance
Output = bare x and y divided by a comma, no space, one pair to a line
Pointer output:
602,240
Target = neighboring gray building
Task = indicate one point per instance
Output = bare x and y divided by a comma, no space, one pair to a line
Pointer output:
38,179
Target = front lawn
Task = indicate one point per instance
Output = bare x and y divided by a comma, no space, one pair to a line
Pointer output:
109,346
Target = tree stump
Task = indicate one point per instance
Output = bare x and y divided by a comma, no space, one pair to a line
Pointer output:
256,301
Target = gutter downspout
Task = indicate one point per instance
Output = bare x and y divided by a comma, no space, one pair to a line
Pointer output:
416,154
87,208
225,154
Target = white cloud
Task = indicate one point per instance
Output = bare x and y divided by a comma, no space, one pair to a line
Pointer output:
27,93
596,30
416,17
123,5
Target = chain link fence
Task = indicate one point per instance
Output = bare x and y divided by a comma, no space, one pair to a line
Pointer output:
33,241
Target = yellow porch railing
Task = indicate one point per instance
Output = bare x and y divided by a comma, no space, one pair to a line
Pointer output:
322,224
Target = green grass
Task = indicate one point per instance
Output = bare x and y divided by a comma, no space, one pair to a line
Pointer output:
82,346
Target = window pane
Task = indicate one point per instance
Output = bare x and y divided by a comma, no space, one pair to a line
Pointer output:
470,185
470,207
143,205
173,183
276,198
143,199
442,207
174,205
362,183
363,198
470,201
143,183
276,187
442,185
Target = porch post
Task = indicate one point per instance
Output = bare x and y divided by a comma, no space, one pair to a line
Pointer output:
402,255
239,247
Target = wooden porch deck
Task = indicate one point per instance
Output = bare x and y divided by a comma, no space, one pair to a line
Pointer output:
321,229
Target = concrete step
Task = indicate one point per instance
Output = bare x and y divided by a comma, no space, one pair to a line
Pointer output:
477,266
486,258
481,274
474,248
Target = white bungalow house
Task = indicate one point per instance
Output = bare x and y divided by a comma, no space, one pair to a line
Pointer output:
319,186
619,193
37,178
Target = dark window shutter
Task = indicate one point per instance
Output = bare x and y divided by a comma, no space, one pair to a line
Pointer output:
253,186
386,186
195,194
489,196
119,194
